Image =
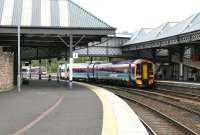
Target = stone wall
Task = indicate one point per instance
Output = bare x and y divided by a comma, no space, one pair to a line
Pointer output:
6,70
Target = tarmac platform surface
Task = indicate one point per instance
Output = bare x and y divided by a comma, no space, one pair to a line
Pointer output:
48,108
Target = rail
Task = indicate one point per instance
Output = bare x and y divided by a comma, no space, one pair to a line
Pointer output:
155,97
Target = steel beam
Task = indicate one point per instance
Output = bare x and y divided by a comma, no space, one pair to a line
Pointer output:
59,31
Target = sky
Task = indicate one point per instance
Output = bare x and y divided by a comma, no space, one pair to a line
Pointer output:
131,15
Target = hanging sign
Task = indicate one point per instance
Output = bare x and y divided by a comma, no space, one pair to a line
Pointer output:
75,55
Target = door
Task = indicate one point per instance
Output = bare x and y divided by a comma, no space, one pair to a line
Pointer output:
144,71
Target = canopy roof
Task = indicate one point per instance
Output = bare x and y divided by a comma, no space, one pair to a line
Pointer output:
46,26
166,30
47,13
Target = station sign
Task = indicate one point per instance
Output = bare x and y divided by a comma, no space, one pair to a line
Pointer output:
75,55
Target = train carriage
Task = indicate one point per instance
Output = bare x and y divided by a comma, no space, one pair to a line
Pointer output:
144,73
135,73
80,71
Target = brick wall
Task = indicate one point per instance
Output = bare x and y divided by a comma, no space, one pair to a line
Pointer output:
6,70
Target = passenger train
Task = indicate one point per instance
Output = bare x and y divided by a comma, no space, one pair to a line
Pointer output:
131,73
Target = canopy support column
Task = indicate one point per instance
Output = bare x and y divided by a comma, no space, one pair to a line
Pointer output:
19,60
181,71
71,62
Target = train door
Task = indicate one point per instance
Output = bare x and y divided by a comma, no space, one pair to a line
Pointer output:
145,74
131,74
138,78
144,71
93,71
88,72
131,71
142,74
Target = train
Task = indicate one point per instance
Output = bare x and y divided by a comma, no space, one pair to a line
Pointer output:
28,71
131,73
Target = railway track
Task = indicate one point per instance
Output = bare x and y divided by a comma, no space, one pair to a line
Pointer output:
192,107
184,95
160,123
185,90
149,129
186,117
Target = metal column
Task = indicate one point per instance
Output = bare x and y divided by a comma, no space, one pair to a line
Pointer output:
49,78
19,60
30,70
71,62
181,71
154,55
40,70
91,59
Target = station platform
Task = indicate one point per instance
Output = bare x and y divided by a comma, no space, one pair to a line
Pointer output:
184,84
51,108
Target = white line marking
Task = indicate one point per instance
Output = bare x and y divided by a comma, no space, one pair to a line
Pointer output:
40,117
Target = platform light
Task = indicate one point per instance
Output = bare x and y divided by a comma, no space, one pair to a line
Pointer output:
166,64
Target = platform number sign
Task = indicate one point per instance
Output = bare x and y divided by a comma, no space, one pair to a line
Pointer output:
75,55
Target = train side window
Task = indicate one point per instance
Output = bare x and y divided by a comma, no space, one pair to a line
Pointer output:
138,69
125,71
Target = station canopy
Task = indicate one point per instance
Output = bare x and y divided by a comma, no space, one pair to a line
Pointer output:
168,29
46,26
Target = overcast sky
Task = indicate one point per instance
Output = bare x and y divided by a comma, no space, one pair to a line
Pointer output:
130,15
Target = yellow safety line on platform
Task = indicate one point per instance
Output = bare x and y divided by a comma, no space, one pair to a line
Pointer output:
109,120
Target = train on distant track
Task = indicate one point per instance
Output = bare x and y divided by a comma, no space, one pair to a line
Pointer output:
131,73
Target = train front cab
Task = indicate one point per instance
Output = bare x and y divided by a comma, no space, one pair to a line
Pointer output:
144,75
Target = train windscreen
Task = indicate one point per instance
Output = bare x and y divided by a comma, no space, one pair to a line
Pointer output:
138,69
150,68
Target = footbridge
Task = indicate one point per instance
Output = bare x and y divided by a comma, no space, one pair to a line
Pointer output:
109,46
